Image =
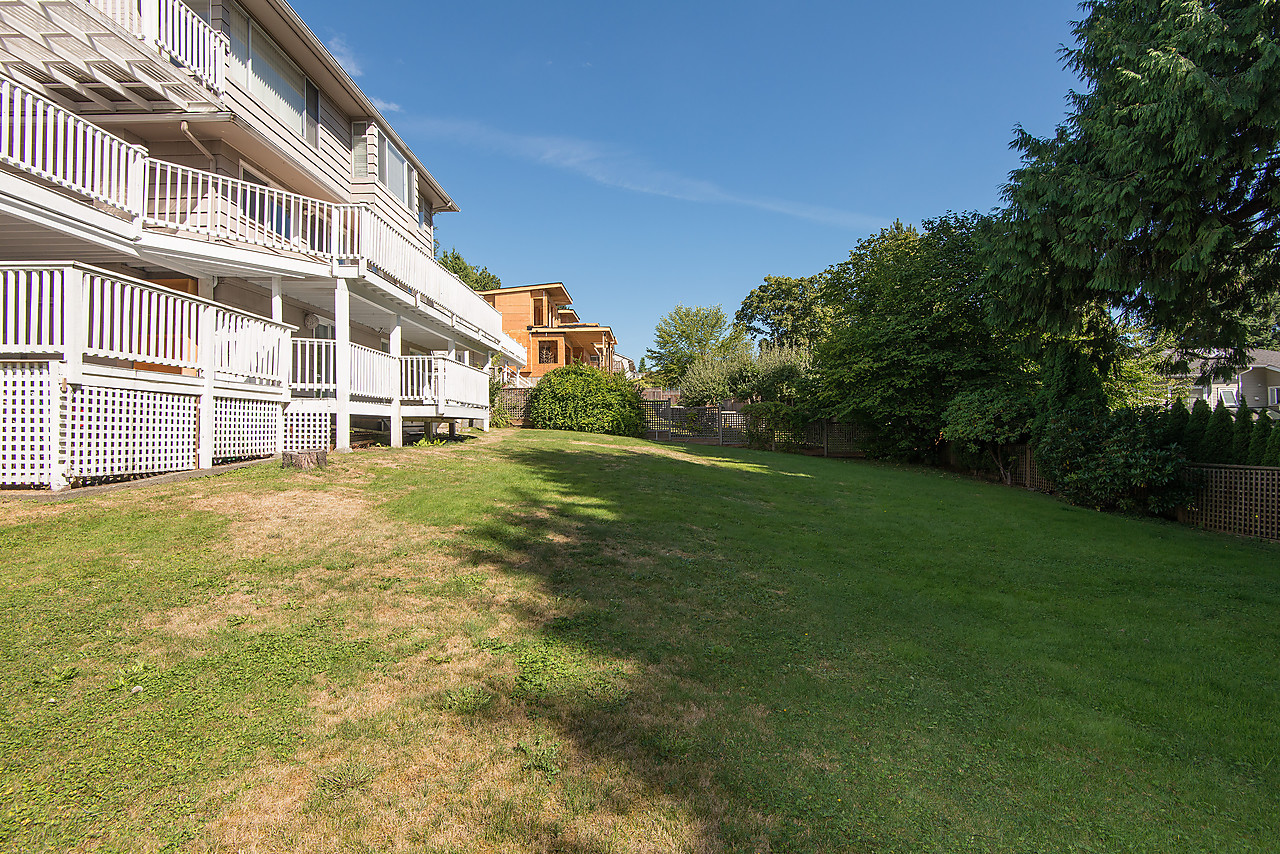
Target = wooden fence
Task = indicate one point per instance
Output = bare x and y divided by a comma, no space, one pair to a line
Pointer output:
710,425
515,401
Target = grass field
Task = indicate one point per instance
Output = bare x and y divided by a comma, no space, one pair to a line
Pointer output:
556,642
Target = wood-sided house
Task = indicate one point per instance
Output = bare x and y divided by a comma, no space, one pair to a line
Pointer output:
543,320
212,246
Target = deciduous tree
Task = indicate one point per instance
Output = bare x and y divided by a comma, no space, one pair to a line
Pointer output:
476,278
685,333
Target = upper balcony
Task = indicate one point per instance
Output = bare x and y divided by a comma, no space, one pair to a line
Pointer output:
152,197
110,55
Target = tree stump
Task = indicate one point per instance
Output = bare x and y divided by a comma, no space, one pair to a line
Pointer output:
305,459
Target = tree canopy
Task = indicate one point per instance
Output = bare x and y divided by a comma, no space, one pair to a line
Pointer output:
1159,197
911,331
685,333
476,278
786,312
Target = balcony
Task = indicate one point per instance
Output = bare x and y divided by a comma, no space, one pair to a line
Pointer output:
142,55
104,376
150,196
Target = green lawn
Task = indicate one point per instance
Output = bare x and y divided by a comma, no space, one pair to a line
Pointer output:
544,641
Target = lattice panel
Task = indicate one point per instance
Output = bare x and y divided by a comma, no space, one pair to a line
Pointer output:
1028,473
244,428
308,431
114,432
1237,500
27,413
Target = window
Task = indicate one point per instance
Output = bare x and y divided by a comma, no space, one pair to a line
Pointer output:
595,359
313,115
1228,397
547,354
270,75
393,169
1273,395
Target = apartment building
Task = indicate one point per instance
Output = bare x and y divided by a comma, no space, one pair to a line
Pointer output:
542,319
212,247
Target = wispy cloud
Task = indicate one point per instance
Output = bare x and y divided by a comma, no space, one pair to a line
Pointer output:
613,166
386,106
346,57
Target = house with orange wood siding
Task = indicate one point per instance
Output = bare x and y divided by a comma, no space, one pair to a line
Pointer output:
542,318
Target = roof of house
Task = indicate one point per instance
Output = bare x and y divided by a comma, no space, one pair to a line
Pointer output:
546,286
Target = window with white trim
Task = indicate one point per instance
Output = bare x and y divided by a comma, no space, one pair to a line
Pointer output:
1228,397
393,169
1273,395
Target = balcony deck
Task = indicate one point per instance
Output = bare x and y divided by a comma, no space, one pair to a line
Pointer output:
105,376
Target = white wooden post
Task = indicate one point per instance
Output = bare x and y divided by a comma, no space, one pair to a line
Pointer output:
396,348
286,361
342,360
207,354
277,300
75,323
206,287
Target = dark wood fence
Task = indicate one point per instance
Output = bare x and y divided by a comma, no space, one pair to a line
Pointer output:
1236,499
710,425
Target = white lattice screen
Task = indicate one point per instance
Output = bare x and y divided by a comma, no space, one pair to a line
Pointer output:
308,431
27,409
112,432
244,428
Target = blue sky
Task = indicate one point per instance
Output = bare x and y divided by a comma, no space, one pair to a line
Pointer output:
678,152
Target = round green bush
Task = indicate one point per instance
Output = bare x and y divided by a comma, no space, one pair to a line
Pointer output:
588,400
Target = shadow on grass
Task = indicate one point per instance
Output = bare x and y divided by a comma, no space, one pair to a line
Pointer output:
828,656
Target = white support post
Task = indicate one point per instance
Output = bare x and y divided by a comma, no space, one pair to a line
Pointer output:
75,324
395,346
277,300
342,362
207,354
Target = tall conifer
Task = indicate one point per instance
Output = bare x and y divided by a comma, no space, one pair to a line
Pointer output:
1258,441
1197,423
1217,444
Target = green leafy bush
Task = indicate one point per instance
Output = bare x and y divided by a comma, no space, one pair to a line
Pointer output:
498,415
1217,446
587,400
1258,441
1113,460
766,420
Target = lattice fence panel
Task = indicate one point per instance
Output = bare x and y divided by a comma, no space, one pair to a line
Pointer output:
244,428
308,431
27,414
516,402
115,432
1237,500
1027,473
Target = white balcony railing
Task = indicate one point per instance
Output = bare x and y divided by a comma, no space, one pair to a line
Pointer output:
314,368
382,377
41,138
177,31
374,374
77,311
193,200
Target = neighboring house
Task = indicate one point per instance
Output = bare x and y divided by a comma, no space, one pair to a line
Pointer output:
542,318
212,246
1258,385
625,366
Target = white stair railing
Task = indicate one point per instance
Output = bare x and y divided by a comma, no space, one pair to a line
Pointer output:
41,138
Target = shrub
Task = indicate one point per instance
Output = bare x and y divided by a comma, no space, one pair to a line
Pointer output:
1175,423
1272,456
498,415
1242,435
1258,441
1196,425
1217,446
1113,461
588,400
766,420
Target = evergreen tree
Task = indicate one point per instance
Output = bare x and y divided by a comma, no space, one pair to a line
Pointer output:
1197,423
1272,456
1243,435
1175,423
1218,443
1258,441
